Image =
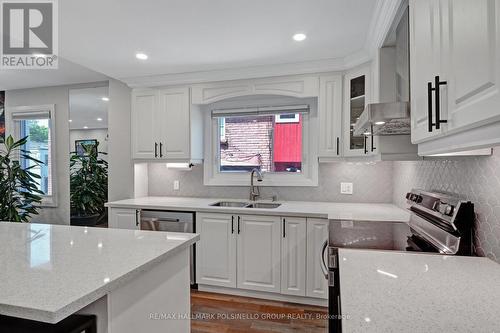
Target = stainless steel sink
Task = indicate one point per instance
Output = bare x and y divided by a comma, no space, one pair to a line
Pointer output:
229,204
266,205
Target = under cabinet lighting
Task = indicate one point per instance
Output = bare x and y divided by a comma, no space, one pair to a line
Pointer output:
179,166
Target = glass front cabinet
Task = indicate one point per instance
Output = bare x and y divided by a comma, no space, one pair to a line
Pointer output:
357,91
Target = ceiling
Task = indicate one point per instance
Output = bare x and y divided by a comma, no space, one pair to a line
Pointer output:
188,36
99,39
67,73
86,107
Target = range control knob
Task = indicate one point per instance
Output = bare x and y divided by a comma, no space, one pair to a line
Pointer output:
448,210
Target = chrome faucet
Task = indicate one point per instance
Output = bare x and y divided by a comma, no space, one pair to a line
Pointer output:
254,190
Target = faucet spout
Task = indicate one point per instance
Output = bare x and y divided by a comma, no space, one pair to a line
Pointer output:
254,190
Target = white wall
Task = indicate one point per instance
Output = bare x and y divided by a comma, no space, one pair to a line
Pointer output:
60,97
121,168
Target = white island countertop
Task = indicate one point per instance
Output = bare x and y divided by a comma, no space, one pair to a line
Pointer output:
330,210
50,271
385,292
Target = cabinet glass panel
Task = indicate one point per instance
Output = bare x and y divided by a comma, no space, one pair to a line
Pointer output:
357,106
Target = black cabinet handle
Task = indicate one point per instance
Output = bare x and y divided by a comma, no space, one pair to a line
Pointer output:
366,150
232,224
284,228
239,225
338,146
373,145
438,83
156,150
161,148
137,218
429,106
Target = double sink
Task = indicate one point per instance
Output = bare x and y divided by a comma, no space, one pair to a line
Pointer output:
241,204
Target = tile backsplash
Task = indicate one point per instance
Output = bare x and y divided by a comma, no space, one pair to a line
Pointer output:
476,178
372,183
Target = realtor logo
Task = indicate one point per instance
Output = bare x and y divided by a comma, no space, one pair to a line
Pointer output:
28,34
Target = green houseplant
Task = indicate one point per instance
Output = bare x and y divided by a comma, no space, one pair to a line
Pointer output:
20,197
88,186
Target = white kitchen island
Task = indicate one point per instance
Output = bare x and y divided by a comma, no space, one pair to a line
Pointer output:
132,280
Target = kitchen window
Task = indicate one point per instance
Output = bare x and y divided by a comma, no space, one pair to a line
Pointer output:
37,123
270,139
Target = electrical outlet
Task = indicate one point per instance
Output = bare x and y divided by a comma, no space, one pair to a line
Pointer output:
177,185
346,188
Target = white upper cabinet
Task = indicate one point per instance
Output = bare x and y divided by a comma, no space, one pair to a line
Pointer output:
330,116
144,136
425,50
295,86
174,123
357,93
472,66
162,125
454,46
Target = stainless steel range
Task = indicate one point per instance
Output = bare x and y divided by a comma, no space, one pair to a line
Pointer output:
439,223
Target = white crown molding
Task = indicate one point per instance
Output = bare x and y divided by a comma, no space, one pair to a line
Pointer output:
383,16
380,24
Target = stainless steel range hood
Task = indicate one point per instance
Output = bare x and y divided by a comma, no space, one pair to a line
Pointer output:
384,119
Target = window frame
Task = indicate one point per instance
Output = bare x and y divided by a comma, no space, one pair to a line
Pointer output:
12,129
307,177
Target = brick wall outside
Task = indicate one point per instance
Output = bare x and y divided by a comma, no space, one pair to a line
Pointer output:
248,136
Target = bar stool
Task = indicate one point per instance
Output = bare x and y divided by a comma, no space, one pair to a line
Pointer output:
72,324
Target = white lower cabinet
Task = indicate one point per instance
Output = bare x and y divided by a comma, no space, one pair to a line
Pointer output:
317,234
216,250
258,253
124,218
261,253
293,256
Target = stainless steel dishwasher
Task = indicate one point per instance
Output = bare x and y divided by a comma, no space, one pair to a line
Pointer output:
160,220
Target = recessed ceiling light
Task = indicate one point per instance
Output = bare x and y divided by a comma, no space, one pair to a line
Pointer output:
106,99
99,119
379,122
141,56
299,37
85,127
70,120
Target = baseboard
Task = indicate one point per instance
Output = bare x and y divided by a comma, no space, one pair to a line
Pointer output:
264,295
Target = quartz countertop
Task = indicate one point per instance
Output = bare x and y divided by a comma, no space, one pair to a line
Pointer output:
330,210
49,272
402,292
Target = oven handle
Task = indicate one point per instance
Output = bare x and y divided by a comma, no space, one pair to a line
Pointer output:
322,259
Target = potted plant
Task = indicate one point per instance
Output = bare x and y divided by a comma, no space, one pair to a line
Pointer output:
88,186
20,197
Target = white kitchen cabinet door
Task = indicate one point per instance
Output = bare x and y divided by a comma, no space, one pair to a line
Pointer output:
216,250
124,218
174,123
293,256
425,64
357,93
259,245
330,116
317,234
471,59
144,127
